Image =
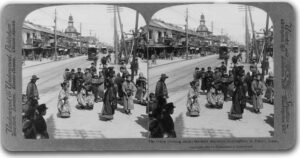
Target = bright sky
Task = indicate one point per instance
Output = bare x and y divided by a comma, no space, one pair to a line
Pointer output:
224,16
96,18
99,20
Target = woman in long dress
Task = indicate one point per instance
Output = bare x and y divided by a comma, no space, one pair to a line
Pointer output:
238,99
141,87
129,90
101,86
63,101
109,101
192,99
73,81
269,95
257,91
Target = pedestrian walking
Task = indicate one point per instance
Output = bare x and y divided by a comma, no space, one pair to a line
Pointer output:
141,83
109,101
161,91
73,81
93,69
95,87
257,90
223,68
193,106
40,123
208,79
134,66
63,104
31,90
78,80
239,96
129,90
101,87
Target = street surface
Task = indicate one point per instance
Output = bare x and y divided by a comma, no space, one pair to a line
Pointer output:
212,123
83,124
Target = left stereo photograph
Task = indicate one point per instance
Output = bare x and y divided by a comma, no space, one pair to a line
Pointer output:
80,77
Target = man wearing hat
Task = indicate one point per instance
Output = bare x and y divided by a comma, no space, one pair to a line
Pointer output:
134,66
32,91
223,68
40,123
161,91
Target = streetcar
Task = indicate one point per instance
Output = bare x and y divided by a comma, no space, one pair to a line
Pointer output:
235,49
92,53
223,51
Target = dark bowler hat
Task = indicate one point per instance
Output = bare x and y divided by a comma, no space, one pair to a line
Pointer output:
111,67
34,77
164,76
42,107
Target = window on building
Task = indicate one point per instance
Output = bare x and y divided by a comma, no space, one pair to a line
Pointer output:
28,36
150,34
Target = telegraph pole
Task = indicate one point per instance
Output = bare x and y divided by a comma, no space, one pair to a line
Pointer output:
246,35
115,36
122,34
253,34
135,35
80,39
212,27
266,45
55,37
186,33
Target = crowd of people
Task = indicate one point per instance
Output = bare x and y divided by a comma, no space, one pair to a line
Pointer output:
88,87
219,86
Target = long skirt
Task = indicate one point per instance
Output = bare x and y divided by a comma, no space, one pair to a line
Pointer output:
108,109
128,103
238,105
140,93
257,102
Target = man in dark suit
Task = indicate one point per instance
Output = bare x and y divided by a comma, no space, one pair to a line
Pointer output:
161,91
32,91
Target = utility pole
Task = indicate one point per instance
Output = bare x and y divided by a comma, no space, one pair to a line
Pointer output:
212,27
122,34
246,35
115,36
186,33
266,45
253,34
135,35
80,39
55,37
